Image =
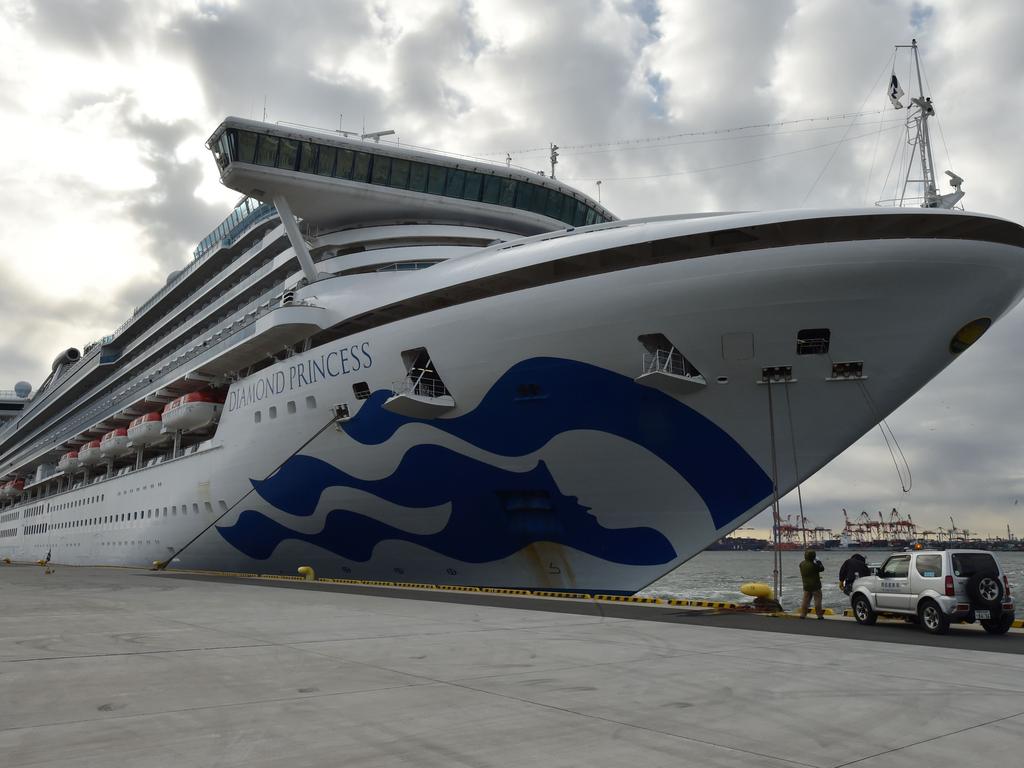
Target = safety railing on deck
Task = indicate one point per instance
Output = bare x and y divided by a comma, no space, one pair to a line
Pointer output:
154,376
420,383
665,361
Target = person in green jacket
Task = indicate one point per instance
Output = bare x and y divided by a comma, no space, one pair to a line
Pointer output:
810,574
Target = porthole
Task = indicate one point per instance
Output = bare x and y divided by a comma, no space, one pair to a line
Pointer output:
310,402
723,379
272,411
969,334
291,406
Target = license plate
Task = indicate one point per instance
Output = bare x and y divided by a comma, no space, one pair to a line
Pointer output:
979,615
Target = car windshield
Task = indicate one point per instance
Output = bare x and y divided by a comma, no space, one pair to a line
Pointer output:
970,563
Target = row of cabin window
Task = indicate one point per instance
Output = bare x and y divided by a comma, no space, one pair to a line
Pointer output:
127,517
257,416
76,503
307,157
33,529
9,517
6,532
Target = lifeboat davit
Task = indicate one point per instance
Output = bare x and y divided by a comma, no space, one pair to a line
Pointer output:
146,429
193,411
69,462
89,454
115,443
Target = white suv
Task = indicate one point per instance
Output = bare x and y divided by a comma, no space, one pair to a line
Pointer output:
937,587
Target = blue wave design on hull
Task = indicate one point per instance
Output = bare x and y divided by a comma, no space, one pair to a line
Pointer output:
497,512
576,395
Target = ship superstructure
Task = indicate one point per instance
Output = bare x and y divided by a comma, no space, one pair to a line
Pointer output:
390,363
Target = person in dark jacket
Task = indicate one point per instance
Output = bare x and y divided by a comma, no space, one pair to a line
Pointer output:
851,570
810,574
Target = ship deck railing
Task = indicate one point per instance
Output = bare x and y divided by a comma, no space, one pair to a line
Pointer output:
664,361
421,385
146,379
261,214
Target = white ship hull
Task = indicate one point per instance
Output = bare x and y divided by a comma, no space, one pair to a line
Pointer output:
555,469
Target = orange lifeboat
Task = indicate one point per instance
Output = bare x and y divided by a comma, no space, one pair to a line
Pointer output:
69,462
89,453
115,443
193,411
146,429
12,488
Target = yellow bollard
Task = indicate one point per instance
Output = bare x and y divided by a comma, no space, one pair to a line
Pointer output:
158,565
306,571
757,589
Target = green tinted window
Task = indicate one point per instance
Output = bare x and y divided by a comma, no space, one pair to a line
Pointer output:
435,182
492,190
456,181
539,201
524,197
400,173
474,181
266,152
418,173
554,206
508,192
346,157
361,167
568,209
288,155
325,161
307,157
221,152
591,216
580,214
246,146
381,170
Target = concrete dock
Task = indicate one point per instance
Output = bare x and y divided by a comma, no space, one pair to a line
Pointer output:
102,667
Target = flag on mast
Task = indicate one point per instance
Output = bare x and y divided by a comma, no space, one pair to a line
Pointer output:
895,92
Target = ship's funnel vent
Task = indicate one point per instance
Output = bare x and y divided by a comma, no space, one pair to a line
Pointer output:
69,356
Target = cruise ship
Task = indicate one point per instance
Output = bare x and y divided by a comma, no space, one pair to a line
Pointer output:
394,364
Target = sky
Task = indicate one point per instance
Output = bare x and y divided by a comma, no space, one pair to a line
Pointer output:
106,186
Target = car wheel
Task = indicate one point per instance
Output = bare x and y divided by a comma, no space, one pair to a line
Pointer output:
985,589
932,617
999,626
862,611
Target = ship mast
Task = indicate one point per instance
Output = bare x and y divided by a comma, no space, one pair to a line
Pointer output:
922,110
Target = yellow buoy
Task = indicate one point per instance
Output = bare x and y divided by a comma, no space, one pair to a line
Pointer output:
757,589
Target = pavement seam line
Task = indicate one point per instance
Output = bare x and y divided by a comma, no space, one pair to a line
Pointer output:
932,738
